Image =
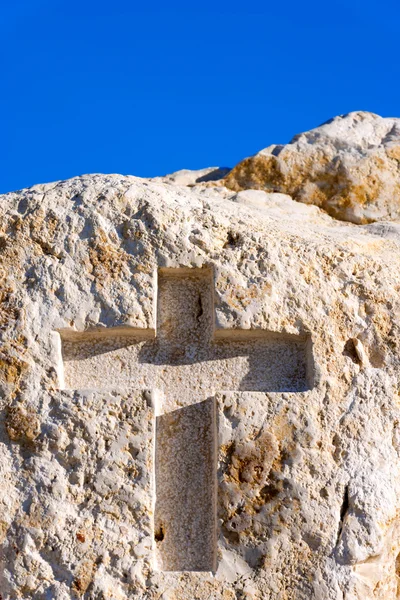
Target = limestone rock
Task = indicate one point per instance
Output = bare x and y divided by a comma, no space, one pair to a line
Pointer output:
199,393
349,166
192,178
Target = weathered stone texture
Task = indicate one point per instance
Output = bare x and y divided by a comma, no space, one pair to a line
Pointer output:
307,473
349,166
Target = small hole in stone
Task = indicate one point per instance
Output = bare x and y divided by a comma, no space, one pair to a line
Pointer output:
233,240
324,493
159,534
350,351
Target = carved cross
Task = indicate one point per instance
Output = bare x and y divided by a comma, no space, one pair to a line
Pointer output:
188,360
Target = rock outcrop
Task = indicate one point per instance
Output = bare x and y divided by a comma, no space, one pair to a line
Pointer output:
267,326
349,166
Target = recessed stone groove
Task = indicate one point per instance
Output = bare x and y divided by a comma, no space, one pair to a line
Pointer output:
185,475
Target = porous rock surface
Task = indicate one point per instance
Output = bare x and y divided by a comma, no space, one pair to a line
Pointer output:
349,166
308,476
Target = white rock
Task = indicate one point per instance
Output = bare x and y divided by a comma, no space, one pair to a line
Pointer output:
295,485
189,177
348,166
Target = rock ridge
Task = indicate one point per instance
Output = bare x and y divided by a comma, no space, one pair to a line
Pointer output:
306,502
348,166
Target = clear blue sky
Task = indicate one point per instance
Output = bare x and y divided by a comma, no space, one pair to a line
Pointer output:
115,87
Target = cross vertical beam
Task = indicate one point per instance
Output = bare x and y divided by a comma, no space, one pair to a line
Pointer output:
185,475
